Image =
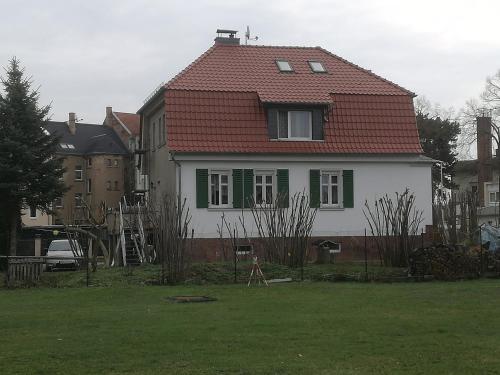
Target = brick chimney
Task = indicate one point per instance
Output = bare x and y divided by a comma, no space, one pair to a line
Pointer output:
227,37
72,123
484,155
109,116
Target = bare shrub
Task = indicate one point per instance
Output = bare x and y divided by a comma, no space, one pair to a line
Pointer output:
170,226
394,222
285,231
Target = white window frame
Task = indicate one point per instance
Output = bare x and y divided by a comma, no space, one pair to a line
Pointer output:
340,192
284,66
80,171
219,172
496,196
289,120
264,173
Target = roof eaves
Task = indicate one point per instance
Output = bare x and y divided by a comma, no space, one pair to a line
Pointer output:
411,93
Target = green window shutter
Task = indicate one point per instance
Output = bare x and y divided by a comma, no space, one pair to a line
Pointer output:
272,123
247,188
314,195
348,186
237,188
283,187
201,188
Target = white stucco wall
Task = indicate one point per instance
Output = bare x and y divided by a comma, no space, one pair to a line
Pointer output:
371,181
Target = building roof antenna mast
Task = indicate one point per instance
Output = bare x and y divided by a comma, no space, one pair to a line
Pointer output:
247,36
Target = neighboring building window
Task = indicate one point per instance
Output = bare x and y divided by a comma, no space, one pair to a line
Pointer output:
494,197
295,125
330,188
219,188
33,212
108,162
89,185
317,67
108,185
116,185
58,203
89,162
264,187
284,66
78,199
115,162
78,173
153,143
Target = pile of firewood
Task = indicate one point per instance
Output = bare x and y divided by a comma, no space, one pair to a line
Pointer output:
446,262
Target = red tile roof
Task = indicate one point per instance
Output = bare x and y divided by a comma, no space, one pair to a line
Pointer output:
130,120
217,103
253,69
207,121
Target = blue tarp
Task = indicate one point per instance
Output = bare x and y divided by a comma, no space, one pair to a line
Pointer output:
491,235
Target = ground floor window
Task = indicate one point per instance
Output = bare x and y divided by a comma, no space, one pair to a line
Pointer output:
330,188
219,188
264,186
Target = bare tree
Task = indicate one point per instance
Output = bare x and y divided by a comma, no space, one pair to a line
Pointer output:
395,224
285,231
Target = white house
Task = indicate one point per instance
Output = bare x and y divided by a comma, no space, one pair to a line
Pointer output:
251,121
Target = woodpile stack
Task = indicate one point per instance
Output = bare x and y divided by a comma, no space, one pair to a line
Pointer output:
446,262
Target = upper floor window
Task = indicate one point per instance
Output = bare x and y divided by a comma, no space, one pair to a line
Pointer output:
219,188
153,142
115,162
284,66
33,212
78,173
108,162
89,185
295,125
317,67
89,162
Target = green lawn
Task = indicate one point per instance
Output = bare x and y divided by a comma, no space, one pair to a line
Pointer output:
299,328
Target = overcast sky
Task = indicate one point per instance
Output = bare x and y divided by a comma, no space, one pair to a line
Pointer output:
86,55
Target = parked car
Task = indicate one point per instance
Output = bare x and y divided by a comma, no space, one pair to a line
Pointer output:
61,255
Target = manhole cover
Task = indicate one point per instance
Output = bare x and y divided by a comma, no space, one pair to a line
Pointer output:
186,299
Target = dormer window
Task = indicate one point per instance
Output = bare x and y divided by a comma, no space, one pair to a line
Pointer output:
284,66
317,67
296,125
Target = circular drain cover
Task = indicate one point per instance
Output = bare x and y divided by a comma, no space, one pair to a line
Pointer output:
186,299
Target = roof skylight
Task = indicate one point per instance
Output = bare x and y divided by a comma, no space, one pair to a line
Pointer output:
284,66
317,67
67,145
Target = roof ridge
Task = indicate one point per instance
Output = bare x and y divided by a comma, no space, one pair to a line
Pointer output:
189,67
366,71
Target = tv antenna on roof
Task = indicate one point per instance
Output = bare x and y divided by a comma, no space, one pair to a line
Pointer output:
247,36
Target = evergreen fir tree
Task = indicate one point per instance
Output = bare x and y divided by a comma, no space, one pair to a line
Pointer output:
30,172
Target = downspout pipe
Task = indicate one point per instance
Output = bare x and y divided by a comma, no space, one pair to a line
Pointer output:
179,178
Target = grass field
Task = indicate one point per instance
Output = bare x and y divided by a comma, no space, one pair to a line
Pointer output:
299,328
